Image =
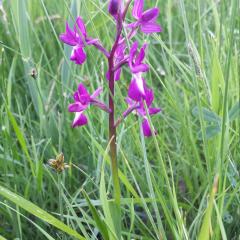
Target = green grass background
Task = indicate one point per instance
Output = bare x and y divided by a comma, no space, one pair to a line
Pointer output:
167,182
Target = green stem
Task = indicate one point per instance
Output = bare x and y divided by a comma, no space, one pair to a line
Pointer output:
112,126
112,136
60,196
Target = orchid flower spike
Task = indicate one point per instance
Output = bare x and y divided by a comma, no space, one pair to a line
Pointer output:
146,20
78,39
142,112
82,101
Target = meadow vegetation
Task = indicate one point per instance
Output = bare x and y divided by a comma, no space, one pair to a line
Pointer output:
183,183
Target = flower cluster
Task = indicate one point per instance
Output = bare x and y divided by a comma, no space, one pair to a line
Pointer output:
78,39
140,96
82,101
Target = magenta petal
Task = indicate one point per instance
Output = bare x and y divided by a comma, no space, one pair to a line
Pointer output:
133,51
150,28
76,96
133,25
150,15
136,90
138,8
129,101
76,107
149,96
134,48
117,74
139,68
84,96
141,54
153,111
80,26
85,99
146,128
79,120
135,59
68,37
96,93
82,89
78,55
91,41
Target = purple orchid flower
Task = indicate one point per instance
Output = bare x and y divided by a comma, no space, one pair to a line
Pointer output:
136,59
146,20
119,58
137,88
82,101
78,39
141,111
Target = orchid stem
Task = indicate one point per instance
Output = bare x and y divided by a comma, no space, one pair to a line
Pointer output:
112,137
112,126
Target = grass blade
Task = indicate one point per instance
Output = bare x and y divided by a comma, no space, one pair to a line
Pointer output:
21,139
100,223
38,212
206,225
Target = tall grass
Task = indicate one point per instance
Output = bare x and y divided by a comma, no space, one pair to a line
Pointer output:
182,184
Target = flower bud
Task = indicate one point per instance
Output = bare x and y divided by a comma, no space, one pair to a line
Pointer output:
113,7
